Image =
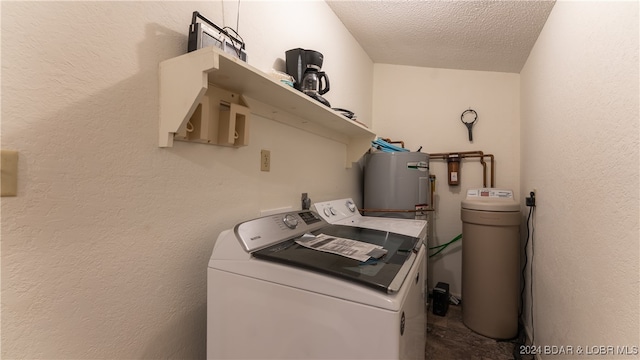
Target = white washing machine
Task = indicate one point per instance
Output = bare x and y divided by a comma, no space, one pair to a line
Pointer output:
345,212
268,297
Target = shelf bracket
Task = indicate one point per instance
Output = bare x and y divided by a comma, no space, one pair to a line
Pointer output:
183,82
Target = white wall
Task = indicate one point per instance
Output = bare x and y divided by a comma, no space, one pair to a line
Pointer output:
579,98
422,107
105,248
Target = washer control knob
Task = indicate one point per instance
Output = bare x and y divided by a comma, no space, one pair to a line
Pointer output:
333,211
290,221
351,206
327,212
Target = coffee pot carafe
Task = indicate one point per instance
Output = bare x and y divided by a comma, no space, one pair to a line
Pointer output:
304,66
314,84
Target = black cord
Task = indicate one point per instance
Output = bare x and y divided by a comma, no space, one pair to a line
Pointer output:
521,339
524,267
347,113
241,41
533,331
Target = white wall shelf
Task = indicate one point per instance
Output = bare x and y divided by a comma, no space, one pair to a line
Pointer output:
184,80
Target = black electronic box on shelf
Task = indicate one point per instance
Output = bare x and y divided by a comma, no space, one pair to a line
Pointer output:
206,33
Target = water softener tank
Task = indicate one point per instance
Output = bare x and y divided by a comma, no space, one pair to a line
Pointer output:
396,181
490,262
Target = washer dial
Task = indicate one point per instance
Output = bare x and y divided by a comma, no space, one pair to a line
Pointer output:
351,206
290,221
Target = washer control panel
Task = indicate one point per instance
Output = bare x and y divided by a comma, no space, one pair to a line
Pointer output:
337,210
259,233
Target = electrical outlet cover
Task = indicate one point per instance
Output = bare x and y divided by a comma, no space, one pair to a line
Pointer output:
265,160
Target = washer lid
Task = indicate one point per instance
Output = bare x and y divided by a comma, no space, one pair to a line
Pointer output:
490,200
385,274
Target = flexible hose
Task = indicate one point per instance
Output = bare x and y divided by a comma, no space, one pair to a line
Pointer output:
444,246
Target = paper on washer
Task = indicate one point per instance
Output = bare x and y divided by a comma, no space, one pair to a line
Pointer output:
353,249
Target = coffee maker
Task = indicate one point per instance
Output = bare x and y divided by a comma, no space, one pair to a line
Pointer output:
304,66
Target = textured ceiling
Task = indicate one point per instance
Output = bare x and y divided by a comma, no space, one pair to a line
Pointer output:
469,35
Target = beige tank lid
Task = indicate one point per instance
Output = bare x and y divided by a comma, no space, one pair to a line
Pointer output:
490,200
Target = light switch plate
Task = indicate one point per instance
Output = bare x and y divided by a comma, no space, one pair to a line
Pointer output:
8,173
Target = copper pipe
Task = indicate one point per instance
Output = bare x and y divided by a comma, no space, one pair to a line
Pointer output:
394,142
466,154
472,154
484,165
478,152
395,210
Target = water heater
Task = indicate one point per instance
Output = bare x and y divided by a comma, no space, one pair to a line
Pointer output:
396,183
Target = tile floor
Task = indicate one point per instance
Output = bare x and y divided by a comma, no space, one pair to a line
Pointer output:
449,339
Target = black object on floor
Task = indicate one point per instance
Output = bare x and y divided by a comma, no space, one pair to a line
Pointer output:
441,299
